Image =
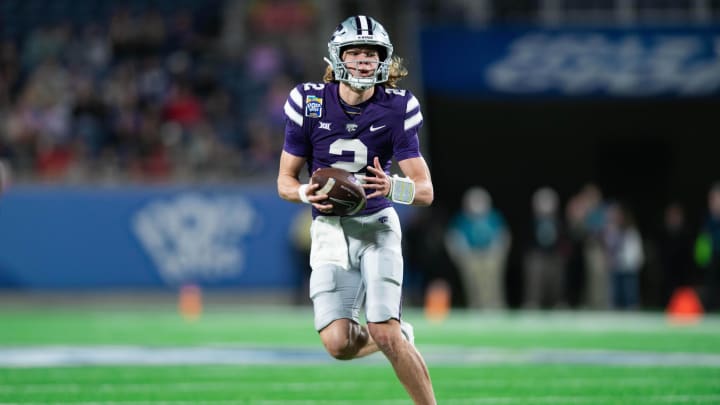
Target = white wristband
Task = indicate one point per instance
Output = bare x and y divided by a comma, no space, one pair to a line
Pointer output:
402,190
302,192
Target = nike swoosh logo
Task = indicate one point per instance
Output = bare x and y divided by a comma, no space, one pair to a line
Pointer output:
374,128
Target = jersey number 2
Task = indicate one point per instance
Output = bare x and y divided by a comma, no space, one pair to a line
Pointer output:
359,150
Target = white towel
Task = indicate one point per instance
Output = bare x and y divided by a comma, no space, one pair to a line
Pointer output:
328,243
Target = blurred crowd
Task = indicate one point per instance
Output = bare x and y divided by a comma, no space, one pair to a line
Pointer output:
162,90
591,254
147,91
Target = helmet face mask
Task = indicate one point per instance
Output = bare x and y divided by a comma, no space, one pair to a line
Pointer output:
360,32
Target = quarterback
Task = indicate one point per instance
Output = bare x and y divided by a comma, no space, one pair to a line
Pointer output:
359,120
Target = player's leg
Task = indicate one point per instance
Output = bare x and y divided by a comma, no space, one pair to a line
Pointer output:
345,339
337,296
407,362
382,270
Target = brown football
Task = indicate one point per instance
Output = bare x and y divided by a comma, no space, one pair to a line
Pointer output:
342,188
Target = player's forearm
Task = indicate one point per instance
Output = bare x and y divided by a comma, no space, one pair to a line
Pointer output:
424,193
288,188
288,181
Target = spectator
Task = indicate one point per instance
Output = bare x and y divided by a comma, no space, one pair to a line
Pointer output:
544,262
575,269
478,242
91,51
183,106
597,277
89,116
625,256
153,81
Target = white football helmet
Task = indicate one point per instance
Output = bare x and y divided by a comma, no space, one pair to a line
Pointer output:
360,30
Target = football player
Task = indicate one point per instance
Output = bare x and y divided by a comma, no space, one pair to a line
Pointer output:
359,120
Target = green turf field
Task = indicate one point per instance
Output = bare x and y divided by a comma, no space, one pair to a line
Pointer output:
134,354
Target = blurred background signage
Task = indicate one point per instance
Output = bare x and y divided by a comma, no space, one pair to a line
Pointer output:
618,62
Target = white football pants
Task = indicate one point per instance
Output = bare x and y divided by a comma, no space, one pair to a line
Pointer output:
355,261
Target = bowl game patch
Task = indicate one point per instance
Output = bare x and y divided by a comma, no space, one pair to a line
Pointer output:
313,106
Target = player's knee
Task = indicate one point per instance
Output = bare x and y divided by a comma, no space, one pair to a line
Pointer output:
340,349
343,343
387,336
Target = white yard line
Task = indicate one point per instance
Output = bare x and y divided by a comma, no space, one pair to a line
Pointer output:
55,356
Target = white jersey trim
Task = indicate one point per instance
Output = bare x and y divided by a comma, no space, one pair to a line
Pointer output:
293,115
413,121
412,104
296,97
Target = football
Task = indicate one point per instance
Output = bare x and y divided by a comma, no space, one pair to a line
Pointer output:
343,189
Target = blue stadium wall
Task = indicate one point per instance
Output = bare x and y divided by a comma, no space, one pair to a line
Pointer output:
145,237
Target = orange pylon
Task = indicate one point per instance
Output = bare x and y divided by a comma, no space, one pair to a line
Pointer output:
437,300
684,306
190,302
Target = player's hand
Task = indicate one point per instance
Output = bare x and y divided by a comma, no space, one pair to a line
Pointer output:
379,183
322,204
319,201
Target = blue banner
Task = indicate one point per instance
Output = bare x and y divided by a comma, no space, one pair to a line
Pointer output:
582,62
146,237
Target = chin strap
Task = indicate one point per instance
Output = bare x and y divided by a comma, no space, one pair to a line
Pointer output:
402,190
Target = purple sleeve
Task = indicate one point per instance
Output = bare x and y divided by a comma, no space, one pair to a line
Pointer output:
406,144
295,140
296,143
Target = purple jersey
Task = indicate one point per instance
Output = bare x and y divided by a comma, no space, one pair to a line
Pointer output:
318,129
